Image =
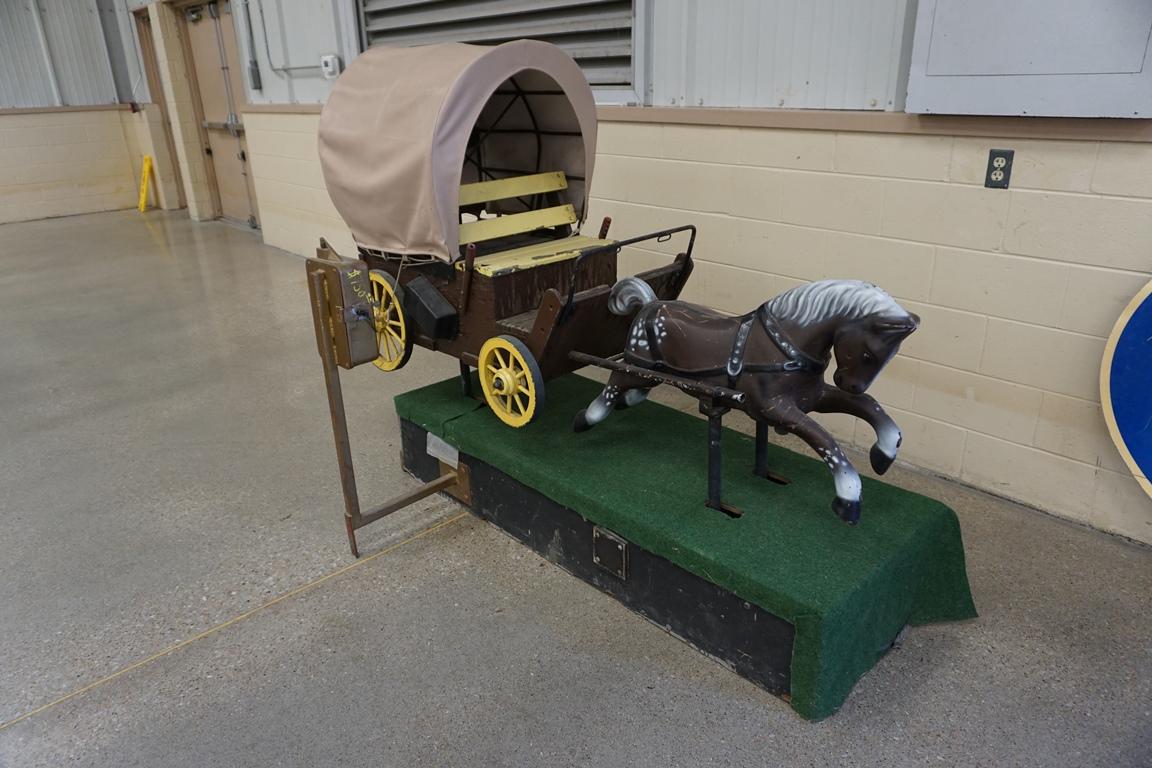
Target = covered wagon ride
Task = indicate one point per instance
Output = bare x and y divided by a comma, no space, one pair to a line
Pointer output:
463,173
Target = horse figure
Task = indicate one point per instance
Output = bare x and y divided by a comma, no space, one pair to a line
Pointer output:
776,355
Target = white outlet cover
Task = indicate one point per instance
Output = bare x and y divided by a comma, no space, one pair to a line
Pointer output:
330,66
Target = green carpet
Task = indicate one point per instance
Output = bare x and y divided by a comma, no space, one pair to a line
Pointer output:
847,590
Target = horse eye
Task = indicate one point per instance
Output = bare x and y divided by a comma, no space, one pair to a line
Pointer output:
868,357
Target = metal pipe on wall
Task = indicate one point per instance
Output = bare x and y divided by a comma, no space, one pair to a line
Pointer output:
253,66
53,79
107,53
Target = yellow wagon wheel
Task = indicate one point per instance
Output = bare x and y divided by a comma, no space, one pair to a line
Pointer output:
510,377
393,334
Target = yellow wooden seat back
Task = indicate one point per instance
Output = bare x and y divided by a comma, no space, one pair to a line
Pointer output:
516,223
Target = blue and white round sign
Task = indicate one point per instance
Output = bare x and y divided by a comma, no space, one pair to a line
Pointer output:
1126,386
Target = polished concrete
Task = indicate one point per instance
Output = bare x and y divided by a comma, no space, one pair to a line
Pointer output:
167,467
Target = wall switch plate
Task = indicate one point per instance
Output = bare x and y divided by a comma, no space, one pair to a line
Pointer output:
999,168
330,66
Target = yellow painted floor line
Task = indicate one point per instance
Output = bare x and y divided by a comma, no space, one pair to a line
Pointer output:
234,620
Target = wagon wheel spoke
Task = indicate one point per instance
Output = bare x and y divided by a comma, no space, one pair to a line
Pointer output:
520,403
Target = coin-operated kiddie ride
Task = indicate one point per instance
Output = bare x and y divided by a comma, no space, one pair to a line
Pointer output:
463,173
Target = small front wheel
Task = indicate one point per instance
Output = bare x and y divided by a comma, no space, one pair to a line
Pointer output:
511,380
393,336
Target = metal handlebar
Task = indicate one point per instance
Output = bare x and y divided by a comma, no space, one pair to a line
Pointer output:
660,236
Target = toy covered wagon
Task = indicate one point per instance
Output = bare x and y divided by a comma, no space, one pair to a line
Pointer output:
463,173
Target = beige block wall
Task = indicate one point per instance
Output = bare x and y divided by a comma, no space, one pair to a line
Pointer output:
144,135
63,163
295,211
1017,288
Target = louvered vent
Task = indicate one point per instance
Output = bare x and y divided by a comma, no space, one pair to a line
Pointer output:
597,34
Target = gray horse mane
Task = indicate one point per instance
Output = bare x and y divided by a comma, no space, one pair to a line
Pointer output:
826,299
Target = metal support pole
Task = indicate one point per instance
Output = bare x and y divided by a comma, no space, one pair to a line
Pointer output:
761,469
715,459
465,379
336,411
715,413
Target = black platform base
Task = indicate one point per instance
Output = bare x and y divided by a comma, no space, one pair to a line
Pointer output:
744,637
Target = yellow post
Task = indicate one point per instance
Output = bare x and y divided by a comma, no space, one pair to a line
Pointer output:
145,177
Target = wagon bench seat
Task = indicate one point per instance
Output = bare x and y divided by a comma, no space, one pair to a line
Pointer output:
528,256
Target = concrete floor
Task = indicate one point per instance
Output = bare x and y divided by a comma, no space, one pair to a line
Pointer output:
167,467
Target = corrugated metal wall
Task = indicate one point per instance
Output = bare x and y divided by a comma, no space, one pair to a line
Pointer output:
597,33
801,54
24,79
53,52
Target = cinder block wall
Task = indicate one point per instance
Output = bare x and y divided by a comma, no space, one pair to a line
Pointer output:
1017,288
61,163
144,135
295,210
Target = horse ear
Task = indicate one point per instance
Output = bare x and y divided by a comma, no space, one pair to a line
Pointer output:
896,326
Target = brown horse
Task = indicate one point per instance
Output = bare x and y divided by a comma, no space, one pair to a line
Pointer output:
776,355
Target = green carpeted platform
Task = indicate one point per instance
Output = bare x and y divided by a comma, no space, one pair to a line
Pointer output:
847,591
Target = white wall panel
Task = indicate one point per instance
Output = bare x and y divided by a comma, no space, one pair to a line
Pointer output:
799,54
287,38
1061,58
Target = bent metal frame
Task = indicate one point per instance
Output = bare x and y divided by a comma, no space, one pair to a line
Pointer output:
345,338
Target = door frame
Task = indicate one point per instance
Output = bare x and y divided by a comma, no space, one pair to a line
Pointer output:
179,8
143,25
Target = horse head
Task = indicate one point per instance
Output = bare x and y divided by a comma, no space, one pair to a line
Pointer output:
863,347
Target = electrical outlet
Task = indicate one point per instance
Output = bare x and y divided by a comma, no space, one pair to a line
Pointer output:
330,66
999,168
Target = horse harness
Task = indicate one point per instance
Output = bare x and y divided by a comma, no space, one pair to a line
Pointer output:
797,361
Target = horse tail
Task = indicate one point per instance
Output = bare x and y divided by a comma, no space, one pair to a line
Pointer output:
628,295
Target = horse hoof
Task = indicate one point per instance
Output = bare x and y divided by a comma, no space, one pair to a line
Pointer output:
580,424
880,460
848,511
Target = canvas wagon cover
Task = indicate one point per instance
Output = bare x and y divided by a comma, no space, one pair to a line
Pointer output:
397,125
